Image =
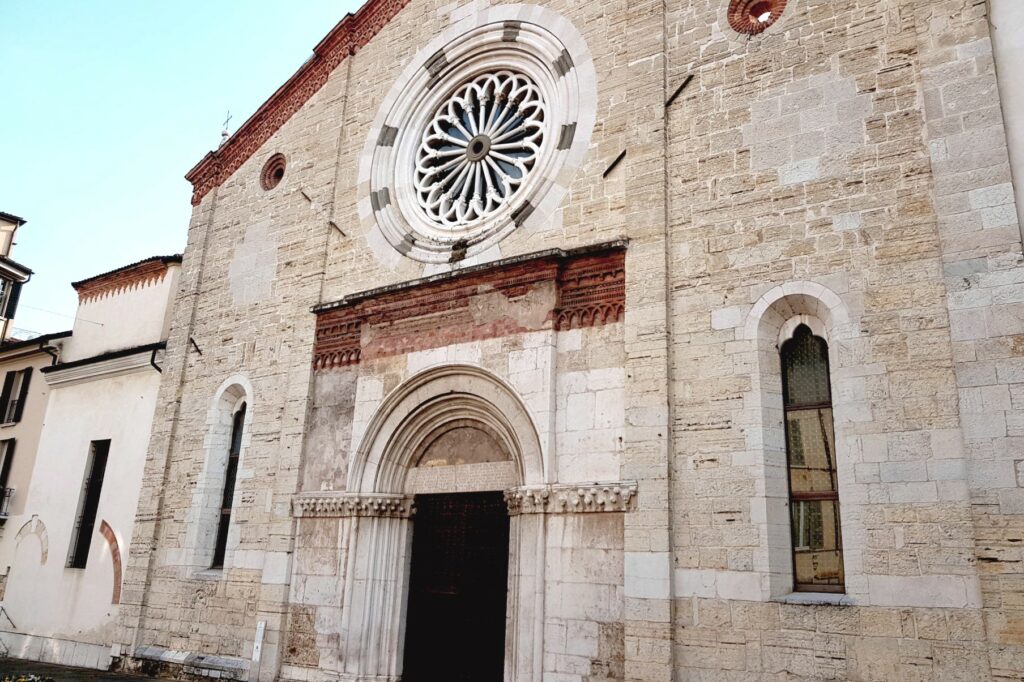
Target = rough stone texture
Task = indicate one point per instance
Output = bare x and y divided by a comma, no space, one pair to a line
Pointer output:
846,167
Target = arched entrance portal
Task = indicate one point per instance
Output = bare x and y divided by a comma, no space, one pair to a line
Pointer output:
436,574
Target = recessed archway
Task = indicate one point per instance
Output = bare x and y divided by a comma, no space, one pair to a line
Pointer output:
453,404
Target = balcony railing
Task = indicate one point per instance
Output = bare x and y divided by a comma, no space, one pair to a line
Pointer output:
6,495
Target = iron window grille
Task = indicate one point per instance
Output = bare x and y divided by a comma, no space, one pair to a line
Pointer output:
227,499
6,496
88,505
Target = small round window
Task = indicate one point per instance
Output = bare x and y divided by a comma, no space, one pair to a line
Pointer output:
273,172
750,17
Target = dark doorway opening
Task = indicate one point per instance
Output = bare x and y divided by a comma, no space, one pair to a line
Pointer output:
455,628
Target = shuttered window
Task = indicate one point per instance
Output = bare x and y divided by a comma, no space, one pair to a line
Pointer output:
14,395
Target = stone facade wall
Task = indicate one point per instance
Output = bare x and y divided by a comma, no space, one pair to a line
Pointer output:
848,165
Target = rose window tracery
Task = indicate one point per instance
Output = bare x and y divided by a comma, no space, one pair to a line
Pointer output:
479,138
479,147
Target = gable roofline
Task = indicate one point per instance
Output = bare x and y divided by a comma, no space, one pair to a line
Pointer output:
11,218
345,39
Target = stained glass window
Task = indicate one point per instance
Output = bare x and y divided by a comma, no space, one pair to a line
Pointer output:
810,449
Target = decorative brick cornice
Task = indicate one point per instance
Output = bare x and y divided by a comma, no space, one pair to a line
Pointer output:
134,276
342,504
572,499
351,33
552,289
591,292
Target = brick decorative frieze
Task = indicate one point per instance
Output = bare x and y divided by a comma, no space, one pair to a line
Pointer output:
134,276
338,343
552,289
344,504
347,37
572,499
591,292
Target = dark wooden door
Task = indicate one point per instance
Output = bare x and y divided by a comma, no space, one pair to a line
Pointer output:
455,628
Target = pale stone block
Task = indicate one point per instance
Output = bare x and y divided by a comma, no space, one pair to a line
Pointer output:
599,379
800,171
695,582
580,412
947,470
1011,501
935,591
727,318
903,471
275,568
569,341
996,195
874,447
420,360
742,585
581,638
848,221
647,575
609,410
978,425
917,492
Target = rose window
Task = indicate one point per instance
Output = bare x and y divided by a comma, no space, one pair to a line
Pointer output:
479,147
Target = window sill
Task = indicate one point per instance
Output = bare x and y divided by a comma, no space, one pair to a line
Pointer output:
5,425
212,574
817,599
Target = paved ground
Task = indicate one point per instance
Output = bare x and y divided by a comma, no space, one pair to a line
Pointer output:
14,668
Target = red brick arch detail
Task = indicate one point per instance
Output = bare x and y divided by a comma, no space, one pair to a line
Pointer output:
351,33
115,557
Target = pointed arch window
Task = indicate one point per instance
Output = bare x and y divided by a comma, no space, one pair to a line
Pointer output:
230,475
811,461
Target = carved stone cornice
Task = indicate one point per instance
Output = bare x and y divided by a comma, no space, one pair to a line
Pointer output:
343,504
572,499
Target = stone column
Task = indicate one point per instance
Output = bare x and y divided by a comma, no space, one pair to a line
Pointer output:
376,579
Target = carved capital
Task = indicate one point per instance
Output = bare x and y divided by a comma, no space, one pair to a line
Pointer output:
343,504
572,499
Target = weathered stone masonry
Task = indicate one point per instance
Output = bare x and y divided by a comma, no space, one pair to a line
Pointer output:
846,168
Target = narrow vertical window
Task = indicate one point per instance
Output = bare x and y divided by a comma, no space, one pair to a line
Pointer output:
6,461
810,450
88,503
230,474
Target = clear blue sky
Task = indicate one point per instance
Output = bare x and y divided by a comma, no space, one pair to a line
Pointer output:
107,104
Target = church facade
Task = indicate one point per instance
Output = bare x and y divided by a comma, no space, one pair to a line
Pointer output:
589,341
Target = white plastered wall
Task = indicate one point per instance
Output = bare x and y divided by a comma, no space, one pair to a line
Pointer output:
130,318
47,599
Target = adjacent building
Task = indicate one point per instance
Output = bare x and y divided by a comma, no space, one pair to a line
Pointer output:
81,439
